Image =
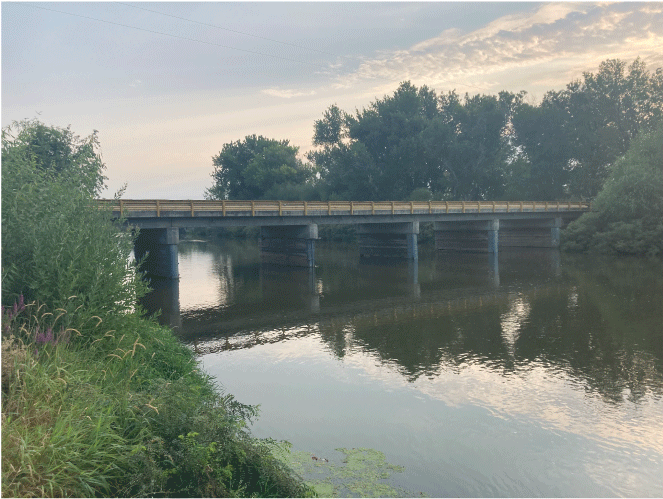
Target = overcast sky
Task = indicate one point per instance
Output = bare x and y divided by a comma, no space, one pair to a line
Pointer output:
167,84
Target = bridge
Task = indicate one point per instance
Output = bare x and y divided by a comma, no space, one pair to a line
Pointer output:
385,229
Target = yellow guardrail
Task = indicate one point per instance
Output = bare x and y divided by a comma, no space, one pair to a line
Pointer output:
165,207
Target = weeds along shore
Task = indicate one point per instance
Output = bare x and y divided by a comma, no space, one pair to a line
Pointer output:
97,399
125,413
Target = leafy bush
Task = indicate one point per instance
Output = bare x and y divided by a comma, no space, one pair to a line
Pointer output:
628,212
55,242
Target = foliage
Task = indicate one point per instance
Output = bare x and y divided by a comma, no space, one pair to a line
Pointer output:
55,243
574,135
628,216
416,144
97,399
544,155
389,130
475,160
413,143
256,168
58,151
144,422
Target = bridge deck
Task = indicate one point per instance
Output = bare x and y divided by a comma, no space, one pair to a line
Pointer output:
328,211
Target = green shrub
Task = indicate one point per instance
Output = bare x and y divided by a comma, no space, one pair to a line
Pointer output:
628,212
56,243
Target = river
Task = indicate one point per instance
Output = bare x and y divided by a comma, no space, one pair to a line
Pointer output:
527,374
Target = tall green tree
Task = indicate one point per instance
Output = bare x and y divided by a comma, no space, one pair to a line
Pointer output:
256,168
473,158
545,152
606,111
344,168
60,152
391,131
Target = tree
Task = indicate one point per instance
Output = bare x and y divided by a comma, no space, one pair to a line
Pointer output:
255,167
545,152
331,129
59,152
628,211
390,129
413,142
56,242
607,110
471,149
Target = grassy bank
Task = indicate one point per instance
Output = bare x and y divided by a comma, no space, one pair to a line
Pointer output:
125,414
99,400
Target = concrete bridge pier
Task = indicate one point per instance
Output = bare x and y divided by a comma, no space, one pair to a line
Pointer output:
288,245
539,233
472,235
160,245
388,240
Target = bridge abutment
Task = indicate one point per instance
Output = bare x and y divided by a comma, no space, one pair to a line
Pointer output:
388,240
160,245
288,245
475,235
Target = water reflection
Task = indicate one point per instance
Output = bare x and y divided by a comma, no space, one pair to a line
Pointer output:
164,300
554,362
598,323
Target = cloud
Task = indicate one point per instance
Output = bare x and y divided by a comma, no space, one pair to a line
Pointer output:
287,94
521,49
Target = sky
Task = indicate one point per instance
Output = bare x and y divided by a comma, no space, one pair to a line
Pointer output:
167,84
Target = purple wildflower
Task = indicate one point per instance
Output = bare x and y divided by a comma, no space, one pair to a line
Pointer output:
40,337
44,337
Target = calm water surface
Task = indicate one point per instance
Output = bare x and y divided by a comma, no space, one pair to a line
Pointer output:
530,374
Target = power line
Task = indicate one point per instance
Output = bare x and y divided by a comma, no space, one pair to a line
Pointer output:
366,75
236,31
356,59
177,36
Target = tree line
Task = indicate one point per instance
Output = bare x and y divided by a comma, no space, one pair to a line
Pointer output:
418,145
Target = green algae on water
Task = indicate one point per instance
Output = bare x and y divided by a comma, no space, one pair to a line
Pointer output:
361,472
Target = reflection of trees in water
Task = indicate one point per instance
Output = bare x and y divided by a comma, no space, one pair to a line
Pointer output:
604,331
597,322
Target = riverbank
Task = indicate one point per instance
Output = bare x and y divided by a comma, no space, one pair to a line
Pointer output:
127,414
97,399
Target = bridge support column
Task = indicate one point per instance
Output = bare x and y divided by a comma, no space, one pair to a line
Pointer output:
530,233
161,248
388,240
288,245
476,235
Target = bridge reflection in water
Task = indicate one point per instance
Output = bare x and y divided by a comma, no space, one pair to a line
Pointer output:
277,303
502,311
